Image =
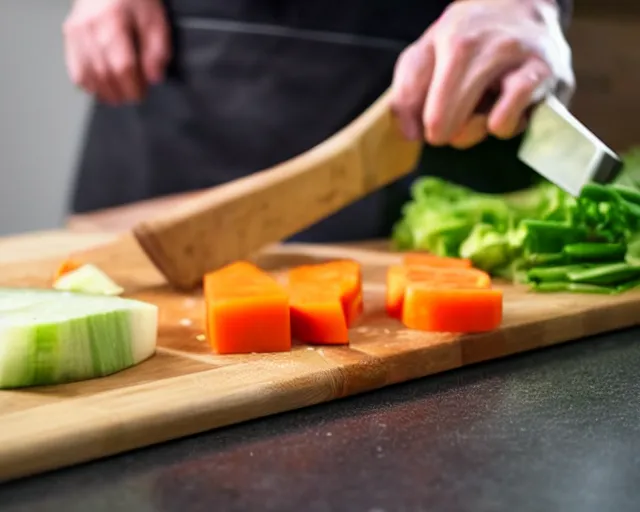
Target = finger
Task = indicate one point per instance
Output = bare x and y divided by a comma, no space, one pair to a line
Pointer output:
469,69
79,65
76,62
451,63
122,60
411,79
155,45
106,86
518,90
89,78
474,132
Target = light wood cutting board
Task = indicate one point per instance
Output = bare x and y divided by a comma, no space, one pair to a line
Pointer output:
186,389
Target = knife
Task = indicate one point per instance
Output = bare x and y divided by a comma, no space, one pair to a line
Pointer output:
560,148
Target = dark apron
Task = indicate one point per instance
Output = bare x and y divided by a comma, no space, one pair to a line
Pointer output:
256,82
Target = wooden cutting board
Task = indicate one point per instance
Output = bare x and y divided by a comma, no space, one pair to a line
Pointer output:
185,389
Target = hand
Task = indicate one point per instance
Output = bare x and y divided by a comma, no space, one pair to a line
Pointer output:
510,52
116,48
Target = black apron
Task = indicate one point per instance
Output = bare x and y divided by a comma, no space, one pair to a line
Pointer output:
256,82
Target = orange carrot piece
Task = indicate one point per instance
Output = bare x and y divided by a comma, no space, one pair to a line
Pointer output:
396,284
346,273
450,308
354,310
68,265
247,311
317,315
398,276
431,260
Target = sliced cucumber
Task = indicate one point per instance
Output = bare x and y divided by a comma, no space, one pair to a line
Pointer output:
51,337
87,279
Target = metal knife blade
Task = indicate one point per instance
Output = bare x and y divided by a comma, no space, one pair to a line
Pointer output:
563,150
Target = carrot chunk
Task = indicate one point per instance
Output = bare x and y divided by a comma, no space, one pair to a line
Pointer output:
431,260
346,273
68,265
448,308
398,277
354,310
246,311
317,314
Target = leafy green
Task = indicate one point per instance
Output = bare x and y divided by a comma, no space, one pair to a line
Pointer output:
539,231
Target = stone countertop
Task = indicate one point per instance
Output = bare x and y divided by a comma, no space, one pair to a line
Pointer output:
557,429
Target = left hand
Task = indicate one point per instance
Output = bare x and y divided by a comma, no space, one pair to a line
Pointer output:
512,49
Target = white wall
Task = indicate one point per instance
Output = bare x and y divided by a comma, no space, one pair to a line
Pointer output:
41,116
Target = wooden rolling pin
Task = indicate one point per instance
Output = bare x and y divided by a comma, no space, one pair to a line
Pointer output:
235,220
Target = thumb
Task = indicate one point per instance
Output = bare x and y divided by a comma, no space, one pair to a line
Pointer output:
153,38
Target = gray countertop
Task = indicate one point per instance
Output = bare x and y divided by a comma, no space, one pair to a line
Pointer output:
557,429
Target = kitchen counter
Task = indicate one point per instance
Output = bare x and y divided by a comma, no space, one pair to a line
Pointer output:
557,429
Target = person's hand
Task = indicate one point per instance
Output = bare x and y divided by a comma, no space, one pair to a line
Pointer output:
508,52
115,49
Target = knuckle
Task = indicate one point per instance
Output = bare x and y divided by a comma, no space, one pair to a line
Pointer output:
521,85
401,105
107,34
90,18
404,81
405,57
100,74
509,46
124,65
464,44
452,10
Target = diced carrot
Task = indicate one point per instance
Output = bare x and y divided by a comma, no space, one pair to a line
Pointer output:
396,284
449,308
431,260
68,265
247,311
346,273
398,276
354,310
317,315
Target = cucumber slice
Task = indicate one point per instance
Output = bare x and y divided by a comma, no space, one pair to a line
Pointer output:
87,279
51,337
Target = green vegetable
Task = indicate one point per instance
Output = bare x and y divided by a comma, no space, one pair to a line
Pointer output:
553,274
87,279
536,235
51,337
632,255
545,259
486,248
549,237
629,285
627,193
610,274
557,287
595,251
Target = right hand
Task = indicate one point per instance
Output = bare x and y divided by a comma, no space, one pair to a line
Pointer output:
115,49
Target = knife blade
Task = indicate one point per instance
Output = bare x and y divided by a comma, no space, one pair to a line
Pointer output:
560,148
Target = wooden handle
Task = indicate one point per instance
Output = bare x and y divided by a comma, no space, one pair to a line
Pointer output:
235,220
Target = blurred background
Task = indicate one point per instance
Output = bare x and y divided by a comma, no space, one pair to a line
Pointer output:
42,114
